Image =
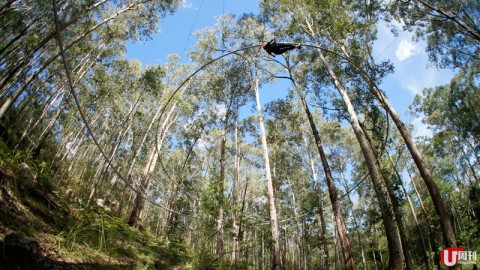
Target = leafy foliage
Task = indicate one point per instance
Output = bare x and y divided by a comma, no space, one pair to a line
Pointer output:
184,165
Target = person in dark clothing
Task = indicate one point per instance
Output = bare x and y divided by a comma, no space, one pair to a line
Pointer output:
273,48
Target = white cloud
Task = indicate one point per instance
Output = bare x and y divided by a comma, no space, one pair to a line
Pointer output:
203,144
405,50
413,72
186,4
413,88
421,129
221,111
416,76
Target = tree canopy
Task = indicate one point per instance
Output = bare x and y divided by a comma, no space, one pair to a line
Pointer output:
182,165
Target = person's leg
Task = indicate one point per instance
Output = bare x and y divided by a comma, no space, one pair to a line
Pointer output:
285,47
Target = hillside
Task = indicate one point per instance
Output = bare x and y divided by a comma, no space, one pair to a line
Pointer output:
43,228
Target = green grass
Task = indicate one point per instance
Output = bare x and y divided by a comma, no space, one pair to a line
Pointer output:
86,235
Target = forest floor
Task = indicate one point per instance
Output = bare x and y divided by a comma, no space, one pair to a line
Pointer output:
41,229
31,226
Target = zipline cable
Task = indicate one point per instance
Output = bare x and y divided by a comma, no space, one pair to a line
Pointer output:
187,79
362,73
97,144
191,29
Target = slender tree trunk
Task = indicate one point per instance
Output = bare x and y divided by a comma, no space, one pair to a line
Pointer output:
431,237
398,216
336,246
395,205
401,228
333,193
172,201
56,97
14,72
236,177
3,51
276,262
412,208
71,151
326,262
244,197
323,225
394,244
306,247
10,100
48,37
104,164
375,261
74,123
220,240
139,150
332,190
355,223
445,222
94,180
298,229
47,129
466,158
139,198
396,258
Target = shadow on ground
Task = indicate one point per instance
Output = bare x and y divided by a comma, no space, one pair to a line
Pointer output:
22,252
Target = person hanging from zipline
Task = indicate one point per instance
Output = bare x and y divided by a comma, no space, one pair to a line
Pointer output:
275,48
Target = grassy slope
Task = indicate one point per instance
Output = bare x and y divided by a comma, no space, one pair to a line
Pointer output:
62,235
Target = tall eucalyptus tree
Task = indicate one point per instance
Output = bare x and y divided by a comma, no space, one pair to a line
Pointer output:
327,23
228,86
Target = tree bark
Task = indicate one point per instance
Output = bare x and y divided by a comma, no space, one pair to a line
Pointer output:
149,168
332,190
236,178
394,245
412,208
138,202
357,227
395,205
323,225
326,262
275,261
333,193
445,222
220,240
104,164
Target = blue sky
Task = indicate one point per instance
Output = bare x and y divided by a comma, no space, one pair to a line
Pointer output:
412,69
175,29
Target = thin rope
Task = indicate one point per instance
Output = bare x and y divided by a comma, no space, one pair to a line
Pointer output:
386,48
86,123
242,49
191,29
187,79
70,82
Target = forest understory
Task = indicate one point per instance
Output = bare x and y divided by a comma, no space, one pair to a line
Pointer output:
43,228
